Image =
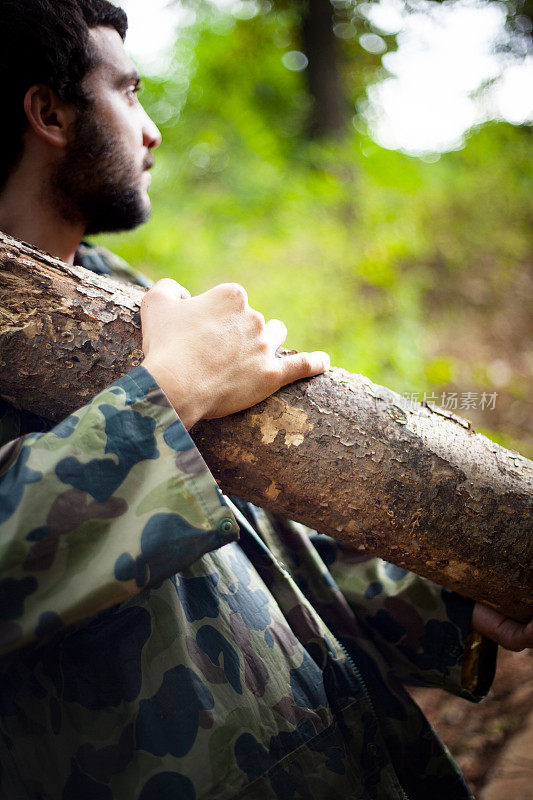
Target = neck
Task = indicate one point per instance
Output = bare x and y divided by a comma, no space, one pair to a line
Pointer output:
27,214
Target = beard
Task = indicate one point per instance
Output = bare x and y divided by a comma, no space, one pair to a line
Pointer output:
96,183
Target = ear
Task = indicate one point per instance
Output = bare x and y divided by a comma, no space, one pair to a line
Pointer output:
48,116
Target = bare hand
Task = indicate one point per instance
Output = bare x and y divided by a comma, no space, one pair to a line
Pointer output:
504,631
212,354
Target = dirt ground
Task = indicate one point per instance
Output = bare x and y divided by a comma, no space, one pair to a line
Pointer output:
491,741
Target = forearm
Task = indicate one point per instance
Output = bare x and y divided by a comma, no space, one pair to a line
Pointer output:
113,499
423,629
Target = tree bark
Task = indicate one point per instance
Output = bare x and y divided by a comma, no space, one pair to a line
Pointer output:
409,482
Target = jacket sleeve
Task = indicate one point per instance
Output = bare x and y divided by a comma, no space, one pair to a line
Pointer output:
422,629
113,499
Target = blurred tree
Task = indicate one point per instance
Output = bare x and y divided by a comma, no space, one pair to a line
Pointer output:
343,53
334,46
340,49
329,110
416,273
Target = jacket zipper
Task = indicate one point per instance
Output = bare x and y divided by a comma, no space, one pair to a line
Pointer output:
241,519
357,672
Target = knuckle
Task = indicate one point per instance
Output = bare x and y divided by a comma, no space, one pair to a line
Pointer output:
258,320
160,289
236,292
305,364
164,284
264,348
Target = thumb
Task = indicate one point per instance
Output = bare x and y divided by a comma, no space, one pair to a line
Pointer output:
302,365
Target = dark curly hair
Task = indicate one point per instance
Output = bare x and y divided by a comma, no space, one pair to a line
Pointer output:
45,41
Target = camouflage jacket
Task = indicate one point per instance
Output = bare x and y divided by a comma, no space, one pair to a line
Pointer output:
163,642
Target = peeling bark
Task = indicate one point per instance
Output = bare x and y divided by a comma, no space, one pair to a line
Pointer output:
411,483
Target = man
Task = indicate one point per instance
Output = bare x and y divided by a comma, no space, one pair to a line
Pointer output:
161,641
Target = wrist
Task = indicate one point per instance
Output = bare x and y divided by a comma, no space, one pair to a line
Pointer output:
181,400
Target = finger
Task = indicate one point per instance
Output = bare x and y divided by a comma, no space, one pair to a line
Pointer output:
171,289
303,365
275,332
257,320
528,634
505,631
511,635
232,294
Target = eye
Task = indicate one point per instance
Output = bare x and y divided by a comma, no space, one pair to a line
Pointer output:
132,91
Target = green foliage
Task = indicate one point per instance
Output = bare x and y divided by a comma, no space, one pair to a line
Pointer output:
343,241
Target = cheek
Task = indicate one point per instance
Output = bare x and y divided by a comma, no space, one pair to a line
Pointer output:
124,121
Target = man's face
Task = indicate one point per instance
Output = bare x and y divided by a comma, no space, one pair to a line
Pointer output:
102,180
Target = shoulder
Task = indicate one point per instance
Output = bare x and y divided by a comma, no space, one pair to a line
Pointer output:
104,262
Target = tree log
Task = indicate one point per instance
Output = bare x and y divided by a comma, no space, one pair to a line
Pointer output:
409,482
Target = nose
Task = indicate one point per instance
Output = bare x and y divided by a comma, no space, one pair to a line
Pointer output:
151,133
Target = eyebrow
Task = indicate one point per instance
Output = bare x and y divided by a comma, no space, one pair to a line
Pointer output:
128,78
